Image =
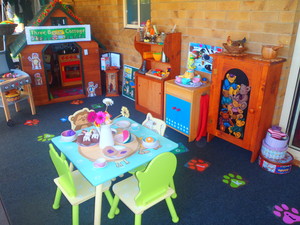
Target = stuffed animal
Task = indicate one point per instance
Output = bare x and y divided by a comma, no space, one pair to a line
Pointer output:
242,95
225,120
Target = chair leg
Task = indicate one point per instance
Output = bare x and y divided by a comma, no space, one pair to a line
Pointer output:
57,198
110,200
172,210
75,214
138,219
172,185
113,208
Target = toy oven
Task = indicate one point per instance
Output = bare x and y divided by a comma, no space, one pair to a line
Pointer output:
70,70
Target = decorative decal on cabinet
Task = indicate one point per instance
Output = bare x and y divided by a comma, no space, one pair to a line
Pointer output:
234,102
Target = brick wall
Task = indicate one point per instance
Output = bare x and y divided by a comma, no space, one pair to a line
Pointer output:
203,21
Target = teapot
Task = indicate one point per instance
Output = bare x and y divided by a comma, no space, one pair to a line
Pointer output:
270,51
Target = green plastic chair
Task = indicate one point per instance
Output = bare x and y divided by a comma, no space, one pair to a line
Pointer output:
73,185
147,188
159,126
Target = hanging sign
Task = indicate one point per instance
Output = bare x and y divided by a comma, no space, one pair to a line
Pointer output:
57,34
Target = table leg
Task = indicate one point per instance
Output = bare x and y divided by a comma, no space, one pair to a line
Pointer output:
5,106
98,205
17,106
31,102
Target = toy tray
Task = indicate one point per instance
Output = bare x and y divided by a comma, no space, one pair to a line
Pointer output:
191,85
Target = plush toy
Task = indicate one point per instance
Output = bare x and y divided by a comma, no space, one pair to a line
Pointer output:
242,95
225,120
238,129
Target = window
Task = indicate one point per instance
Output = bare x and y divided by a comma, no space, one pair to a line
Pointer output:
136,12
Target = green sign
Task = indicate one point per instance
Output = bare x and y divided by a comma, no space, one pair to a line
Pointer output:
57,34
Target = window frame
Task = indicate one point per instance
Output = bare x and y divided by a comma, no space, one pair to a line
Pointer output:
125,17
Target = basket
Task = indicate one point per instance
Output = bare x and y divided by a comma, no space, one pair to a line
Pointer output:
6,29
12,95
234,49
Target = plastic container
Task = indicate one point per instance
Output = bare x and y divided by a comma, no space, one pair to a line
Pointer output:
157,56
272,152
276,143
282,166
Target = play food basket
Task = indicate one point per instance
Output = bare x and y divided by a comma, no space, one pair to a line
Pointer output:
12,95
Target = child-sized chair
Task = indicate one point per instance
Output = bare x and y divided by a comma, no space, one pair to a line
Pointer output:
157,125
79,119
147,188
73,185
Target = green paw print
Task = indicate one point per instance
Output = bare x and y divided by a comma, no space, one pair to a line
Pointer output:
45,137
233,180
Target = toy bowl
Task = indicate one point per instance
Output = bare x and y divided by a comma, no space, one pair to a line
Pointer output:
68,136
157,56
150,142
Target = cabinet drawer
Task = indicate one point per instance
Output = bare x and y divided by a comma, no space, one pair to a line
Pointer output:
182,92
178,114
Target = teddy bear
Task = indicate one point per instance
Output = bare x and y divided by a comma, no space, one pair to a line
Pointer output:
238,129
242,95
225,120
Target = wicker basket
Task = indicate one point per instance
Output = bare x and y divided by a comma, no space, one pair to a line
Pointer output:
12,95
6,29
234,49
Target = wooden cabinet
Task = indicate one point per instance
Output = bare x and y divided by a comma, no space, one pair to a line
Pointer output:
242,99
150,90
182,107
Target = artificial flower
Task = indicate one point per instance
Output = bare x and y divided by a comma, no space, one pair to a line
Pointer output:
92,117
125,111
101,117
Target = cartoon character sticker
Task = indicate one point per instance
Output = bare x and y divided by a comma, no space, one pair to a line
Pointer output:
35,61
38,79
92,89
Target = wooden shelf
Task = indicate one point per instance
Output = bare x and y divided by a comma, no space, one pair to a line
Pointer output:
150,90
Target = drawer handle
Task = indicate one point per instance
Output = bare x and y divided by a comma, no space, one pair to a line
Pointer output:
174,107
178,110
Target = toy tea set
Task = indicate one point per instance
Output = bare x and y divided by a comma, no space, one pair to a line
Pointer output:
125,143
109,139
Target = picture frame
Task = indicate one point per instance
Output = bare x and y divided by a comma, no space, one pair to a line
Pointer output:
128,84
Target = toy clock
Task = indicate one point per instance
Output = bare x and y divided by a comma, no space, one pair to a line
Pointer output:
112,88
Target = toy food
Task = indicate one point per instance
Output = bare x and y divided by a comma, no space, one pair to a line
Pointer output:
88,138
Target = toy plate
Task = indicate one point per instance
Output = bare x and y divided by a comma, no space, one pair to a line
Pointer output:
122,124
190,85
116,152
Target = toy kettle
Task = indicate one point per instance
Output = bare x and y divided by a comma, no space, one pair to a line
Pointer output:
270,51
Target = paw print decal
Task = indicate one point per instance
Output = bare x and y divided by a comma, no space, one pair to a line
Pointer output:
233,180
197,164
181,149
288,216
31,122
45,137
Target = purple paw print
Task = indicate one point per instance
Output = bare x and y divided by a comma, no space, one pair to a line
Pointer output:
288,216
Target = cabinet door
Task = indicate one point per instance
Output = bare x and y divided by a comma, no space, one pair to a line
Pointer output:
178,114
236,109
150,95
